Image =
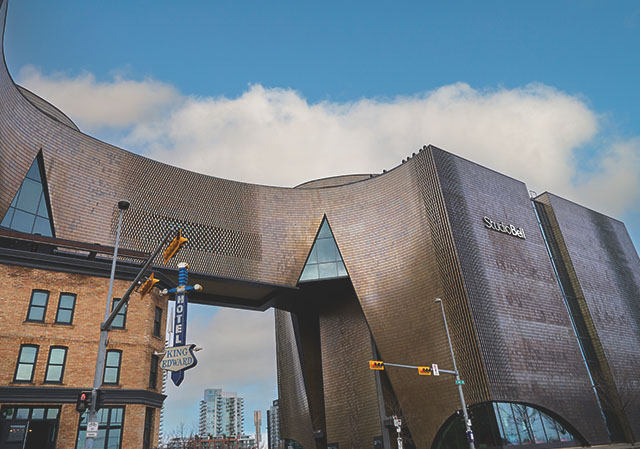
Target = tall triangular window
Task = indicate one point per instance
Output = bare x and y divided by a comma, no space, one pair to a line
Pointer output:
325,261
29,210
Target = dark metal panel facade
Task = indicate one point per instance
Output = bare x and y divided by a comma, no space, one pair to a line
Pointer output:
523,328
350,394
605,271
295,418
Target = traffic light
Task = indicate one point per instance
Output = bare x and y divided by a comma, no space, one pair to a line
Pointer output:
425,370
173,248
147,285
375,364
99,399
84,401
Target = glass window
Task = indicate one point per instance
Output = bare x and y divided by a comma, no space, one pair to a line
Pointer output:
109,429
157,322
120,319
509,431
25,367
148,428
28,210
112,367
66,305
38,305
37,413
325,261
55,365
521,415
153,372
539,435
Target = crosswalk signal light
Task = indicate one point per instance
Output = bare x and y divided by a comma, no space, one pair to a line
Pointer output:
99,399
83,402
173,248
425,370
375,364
147,285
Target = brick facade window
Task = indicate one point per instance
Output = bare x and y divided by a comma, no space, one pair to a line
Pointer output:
157,322
120,321
38,305
153,372
55,364
148,428
110,421
26,365
112,367
66,307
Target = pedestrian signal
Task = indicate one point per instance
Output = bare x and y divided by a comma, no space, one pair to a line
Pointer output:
147,285
173,248
374,364
425,370
83,402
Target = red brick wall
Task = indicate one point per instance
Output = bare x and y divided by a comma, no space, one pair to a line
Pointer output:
136,341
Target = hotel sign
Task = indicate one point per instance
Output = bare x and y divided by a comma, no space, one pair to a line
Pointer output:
178,358
504,228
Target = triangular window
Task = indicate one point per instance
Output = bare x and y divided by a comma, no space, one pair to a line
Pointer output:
29,210
325,261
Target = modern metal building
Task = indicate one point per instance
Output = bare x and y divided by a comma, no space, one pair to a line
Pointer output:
542,294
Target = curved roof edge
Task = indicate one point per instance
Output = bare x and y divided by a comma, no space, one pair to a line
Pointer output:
47,108
334,181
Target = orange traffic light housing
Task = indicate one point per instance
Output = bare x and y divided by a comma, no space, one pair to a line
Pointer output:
425,370
147,285
173,248
376,364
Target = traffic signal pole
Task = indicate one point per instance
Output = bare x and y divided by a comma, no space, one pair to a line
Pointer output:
109,316
467,421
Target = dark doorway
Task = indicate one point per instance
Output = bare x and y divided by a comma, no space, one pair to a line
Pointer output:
40,435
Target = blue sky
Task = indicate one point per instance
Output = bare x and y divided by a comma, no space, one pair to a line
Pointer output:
546,92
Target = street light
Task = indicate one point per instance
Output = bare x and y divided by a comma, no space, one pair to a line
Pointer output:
102,348
467,421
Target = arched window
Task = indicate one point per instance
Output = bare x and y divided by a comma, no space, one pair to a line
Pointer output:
507,424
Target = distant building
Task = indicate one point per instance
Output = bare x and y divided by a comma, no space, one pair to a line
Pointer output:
221,414
273,427
257,422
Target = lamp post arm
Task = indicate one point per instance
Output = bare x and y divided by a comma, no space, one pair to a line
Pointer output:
125,298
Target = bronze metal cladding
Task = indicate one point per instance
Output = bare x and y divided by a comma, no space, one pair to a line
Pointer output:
604,271
406,237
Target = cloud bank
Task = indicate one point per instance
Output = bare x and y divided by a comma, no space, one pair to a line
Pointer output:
536,133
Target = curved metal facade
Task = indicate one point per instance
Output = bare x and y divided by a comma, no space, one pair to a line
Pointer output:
406,237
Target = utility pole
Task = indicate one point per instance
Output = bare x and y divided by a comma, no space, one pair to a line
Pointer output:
102,348
467,421
110,315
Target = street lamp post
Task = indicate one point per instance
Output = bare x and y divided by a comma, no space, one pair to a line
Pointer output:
102,348
467,421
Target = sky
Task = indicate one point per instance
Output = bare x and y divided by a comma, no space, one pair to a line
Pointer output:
279,93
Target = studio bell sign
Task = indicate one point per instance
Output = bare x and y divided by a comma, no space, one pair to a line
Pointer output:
504,228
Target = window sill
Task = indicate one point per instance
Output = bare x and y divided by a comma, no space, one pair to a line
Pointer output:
22,382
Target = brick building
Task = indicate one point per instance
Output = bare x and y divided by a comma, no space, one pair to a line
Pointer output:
52,304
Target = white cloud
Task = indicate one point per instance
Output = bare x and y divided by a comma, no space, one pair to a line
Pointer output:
95,105
275,136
